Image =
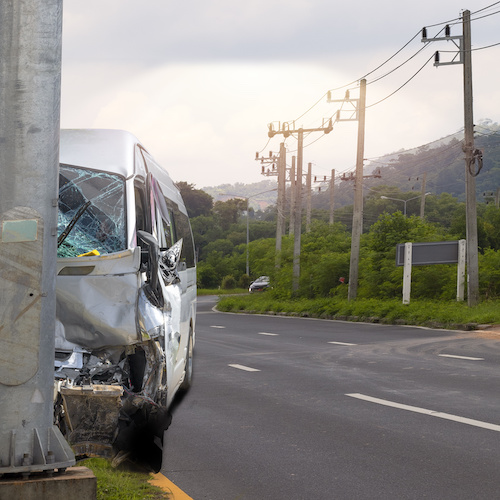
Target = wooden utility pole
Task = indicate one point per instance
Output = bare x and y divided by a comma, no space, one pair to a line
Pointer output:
357,216
280,216
291,227
471,154
308,194
296,180
332,196
298,212
422,200
470,179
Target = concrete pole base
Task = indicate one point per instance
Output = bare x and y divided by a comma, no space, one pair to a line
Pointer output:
77,483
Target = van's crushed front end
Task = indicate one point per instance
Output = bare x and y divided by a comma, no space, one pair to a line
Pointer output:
118,323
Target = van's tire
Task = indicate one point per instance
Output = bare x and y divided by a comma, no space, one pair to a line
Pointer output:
188,367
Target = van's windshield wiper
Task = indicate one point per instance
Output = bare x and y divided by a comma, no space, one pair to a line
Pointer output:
72,223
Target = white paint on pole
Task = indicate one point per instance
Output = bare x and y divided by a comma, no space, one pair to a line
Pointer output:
407,274
461,270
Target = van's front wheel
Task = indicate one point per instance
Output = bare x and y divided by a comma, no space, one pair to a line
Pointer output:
188,367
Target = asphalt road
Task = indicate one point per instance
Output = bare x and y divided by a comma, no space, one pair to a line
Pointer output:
336,410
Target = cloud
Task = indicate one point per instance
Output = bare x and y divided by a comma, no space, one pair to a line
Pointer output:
199,81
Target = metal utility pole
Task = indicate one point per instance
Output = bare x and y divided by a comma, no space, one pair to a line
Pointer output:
309,196
357,216
30,55
471,154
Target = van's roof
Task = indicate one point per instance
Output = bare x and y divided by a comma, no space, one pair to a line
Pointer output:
99,149
112,151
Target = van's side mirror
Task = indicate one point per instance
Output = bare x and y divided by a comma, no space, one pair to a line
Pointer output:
150,256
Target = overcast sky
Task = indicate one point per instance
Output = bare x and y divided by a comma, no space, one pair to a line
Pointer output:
198,81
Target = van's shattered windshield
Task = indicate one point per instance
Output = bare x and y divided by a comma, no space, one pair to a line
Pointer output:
84,227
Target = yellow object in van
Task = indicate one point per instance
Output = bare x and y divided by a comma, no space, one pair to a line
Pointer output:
88,254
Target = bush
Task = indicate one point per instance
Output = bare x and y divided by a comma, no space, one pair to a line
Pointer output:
207,277
244,281
228,282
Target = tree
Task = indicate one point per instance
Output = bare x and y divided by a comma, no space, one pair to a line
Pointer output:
227,212
196,200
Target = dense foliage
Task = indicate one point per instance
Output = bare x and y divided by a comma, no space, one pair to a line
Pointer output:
220,239
391,215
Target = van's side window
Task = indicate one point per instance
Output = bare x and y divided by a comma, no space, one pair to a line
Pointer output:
184,231
140,211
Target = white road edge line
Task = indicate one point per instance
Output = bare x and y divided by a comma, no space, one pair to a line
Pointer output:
460,357
431,413
270,334
244,368
341,343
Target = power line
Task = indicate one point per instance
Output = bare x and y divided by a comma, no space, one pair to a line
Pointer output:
404,84
455,20
485,8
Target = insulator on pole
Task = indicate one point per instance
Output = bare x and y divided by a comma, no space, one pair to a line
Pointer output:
424,33
447,30
436,57
257,155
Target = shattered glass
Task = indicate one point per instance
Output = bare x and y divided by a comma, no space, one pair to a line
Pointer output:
101,226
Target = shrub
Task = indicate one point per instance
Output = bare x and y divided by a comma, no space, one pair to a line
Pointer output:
228,282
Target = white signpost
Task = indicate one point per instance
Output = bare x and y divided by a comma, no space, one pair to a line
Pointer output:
420,254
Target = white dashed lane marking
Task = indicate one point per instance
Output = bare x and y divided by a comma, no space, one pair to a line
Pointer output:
460,357
341,343
430,413
244,368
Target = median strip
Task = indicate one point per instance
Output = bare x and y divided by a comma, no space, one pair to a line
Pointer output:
431,413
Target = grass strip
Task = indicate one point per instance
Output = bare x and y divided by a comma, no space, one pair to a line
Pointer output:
122,484
431,313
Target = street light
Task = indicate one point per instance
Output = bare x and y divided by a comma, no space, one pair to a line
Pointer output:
247,198
404,201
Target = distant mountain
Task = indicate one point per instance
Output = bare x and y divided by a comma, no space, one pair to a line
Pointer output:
261,194
441,162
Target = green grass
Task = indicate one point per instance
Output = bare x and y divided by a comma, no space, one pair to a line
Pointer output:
440,314
220,291
120,484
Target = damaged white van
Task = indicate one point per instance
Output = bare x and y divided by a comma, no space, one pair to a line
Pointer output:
126,294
